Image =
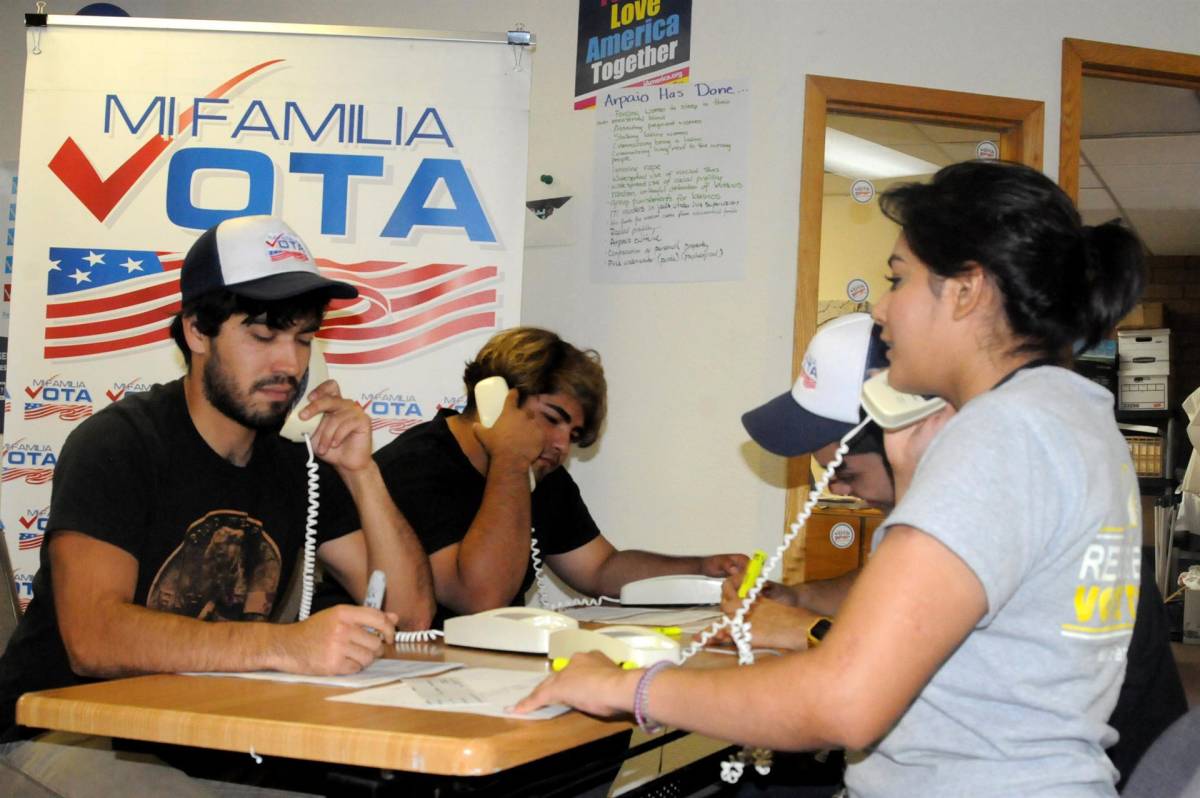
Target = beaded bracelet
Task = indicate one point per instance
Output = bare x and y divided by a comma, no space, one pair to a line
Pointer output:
640,698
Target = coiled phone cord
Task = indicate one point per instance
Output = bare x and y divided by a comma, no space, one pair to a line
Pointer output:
732,769
539,574
740,628
310,532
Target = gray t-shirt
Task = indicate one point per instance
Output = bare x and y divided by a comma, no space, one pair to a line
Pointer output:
1031,485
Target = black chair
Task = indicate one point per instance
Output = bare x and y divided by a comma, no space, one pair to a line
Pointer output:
1170,767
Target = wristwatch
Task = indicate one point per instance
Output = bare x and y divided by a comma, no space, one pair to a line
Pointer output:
818,629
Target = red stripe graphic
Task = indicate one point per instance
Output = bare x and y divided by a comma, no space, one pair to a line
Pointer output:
84,307
33,476
395,426
99,347
65,412
119,324
478,321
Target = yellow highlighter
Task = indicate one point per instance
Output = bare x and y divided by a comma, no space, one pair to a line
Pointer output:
752,572
558,663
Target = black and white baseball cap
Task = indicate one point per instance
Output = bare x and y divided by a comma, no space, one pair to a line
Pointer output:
259,257
824,404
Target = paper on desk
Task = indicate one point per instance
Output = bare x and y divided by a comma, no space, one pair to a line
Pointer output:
688,620
479,691
381,671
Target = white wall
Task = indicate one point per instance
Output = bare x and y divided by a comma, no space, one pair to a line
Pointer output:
674,470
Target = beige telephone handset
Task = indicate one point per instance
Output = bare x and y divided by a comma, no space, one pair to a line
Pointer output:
891,409
628,646
294,429
490,394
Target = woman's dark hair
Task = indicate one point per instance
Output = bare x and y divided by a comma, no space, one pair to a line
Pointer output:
1062,281
212,309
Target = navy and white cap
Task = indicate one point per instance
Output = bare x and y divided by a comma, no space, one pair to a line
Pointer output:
824,403
259,257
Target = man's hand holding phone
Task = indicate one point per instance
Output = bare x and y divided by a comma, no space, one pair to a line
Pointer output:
515,436
343,437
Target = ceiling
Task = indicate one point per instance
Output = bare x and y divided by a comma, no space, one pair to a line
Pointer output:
1140,161
1140,158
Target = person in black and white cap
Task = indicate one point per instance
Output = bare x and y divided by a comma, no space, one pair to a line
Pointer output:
182,504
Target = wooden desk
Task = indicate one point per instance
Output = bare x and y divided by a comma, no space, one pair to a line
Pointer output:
295,720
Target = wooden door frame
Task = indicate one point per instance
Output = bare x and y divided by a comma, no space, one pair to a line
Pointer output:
1082,58
1022,124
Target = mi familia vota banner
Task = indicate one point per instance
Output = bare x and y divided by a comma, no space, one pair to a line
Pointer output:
631,43
400,161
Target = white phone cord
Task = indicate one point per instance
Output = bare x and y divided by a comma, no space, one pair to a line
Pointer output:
740,630
310,531
422,636
731,770
539,575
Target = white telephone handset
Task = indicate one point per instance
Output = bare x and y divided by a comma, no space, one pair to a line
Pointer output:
490,394
628,646
294,429
891,409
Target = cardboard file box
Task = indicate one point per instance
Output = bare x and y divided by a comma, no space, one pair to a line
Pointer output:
1144,347
1144,392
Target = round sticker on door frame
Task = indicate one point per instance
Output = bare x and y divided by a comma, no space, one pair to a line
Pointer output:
862,191
987,150
858,290
841,535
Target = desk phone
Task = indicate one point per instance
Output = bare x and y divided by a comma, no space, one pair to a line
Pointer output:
521,629
674,590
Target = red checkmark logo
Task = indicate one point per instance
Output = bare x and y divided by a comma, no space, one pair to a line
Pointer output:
28,521
112,397
34,394
100,196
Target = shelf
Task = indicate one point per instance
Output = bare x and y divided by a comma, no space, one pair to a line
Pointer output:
1155,486
1143,416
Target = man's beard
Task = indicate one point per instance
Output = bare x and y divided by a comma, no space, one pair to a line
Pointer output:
223,395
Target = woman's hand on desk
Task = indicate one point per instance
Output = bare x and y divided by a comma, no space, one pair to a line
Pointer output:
591,683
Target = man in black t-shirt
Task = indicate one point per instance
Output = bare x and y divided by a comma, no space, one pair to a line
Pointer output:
466,488
178,515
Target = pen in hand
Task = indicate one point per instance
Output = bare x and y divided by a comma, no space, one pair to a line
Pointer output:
376,586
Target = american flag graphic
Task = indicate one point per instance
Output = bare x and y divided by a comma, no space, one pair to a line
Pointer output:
29,540
36,410
32,476
101,301
394,426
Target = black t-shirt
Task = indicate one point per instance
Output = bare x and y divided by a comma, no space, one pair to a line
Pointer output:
212,540
439,491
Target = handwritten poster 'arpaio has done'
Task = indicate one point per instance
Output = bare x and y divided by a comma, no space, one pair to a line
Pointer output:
671,183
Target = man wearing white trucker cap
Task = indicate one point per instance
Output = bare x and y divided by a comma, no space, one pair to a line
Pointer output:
182,505
821,408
